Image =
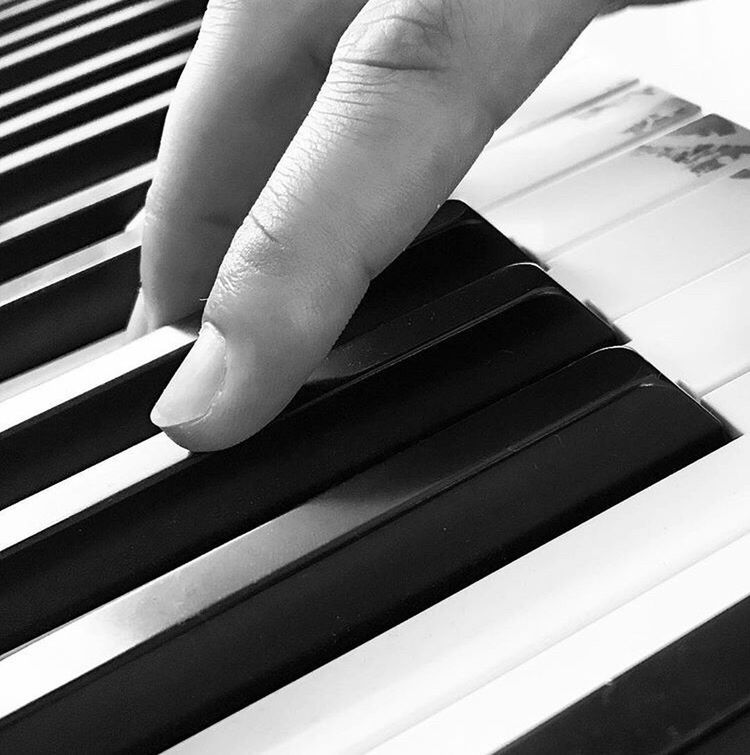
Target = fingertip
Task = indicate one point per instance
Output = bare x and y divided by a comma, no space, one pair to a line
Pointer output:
138,323
194,390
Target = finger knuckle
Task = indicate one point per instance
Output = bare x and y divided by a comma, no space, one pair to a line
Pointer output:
402,35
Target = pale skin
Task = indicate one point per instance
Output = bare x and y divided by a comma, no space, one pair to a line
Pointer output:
308,142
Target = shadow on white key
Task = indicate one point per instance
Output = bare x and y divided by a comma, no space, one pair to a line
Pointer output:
550,221
699,334
571,143
662,250
731,402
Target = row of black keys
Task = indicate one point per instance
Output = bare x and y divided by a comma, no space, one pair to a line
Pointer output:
34,172
479,405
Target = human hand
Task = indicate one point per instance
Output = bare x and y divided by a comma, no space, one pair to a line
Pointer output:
371,113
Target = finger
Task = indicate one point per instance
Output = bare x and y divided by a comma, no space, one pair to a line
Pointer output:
415,90
249,82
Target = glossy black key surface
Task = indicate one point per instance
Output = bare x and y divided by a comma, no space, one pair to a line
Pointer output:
41,320
68,162
335,571
22,12
691,697
48,317
63,227
61,20
91,103
456,248
129,22
537,330
103,67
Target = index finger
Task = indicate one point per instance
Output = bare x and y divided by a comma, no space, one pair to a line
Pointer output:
415,90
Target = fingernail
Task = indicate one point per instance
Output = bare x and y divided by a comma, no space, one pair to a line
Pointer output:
196,383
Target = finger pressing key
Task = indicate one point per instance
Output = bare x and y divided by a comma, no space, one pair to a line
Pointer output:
414,91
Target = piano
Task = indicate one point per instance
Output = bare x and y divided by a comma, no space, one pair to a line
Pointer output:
509,513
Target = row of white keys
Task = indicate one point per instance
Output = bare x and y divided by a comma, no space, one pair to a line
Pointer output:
661,250
698,335
572,143
573,84
421,667
552,219
516,703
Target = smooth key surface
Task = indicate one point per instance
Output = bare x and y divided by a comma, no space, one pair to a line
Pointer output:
571,86
659,251
552,219
511,169
676,700
178,513
90,103
113,62
469,499
72,223
88,295
698,334
41,173
731,402
456,248
103,407
70,46
67,304
442,676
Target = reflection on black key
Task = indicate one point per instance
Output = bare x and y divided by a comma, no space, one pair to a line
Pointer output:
90,300
456,248
113,415
91,103
179,515
77,221
15,14
113,62
285,598
71,161
126,23
56,22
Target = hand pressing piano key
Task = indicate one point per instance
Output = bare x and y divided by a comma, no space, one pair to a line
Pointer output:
410,95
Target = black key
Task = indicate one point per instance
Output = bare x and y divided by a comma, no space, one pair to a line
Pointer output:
456,248
15,14
43,320
104,416
692,697
49,170
61,20
161,522
92,103
75,222
89,298
103,67
124,24
282,599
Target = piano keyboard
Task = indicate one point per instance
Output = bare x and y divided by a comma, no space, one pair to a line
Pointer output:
508,513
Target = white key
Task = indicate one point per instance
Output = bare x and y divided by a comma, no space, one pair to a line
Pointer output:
456,647
698,335
572,143
585,662
661,250
571,85
550,220
732,403
56,367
